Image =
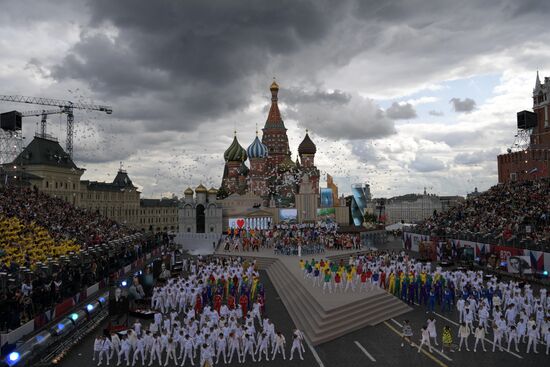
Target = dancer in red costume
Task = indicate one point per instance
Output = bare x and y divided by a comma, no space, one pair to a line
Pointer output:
243,301
231,302
198,305
217,303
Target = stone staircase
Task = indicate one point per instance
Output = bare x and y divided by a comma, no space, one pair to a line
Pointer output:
322,325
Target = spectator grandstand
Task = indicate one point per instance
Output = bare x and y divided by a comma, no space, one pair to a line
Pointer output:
51,250
511,214
60,218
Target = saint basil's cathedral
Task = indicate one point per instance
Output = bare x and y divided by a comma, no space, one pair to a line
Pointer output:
272,174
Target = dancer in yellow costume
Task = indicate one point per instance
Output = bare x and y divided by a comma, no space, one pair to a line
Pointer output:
391,287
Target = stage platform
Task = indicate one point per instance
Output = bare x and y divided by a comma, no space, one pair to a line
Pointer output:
323,317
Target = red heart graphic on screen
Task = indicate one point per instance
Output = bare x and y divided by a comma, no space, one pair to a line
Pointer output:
240,223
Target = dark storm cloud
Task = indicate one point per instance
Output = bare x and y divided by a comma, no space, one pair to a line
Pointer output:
197,57
465,105
110,67
295,96
399,111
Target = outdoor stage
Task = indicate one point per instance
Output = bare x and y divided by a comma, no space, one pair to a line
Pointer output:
323,317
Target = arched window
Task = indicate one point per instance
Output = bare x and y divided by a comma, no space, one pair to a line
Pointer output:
200,219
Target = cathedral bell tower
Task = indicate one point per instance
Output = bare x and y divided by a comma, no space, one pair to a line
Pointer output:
274,133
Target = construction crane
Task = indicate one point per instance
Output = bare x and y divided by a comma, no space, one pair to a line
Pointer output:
44,114
67,106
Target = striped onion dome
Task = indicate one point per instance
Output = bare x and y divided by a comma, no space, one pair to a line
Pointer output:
257,149
235,153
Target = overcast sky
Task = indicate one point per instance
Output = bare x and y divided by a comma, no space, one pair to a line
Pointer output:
400,94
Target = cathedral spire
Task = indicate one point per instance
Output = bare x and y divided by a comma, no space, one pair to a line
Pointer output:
274,119
537,83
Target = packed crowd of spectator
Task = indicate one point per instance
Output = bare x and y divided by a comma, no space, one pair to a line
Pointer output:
29,293
514,213
48,252
26,244
62,219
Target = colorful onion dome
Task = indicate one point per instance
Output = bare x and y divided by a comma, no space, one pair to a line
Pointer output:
257,149
201,189
188,191
235,153
307,146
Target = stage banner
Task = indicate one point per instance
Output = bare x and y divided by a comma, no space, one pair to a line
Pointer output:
80,296
547,261
94,288
412,241
327,215
63,307
504,252
288,216
462,243
519,264
536,259
482,249
326,197
42,319
237,223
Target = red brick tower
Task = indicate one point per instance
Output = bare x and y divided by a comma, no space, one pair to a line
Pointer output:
235,171
257,154
307,150
540,137
274,133
533,162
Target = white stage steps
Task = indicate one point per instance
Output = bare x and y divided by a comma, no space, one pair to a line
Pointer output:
323,324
